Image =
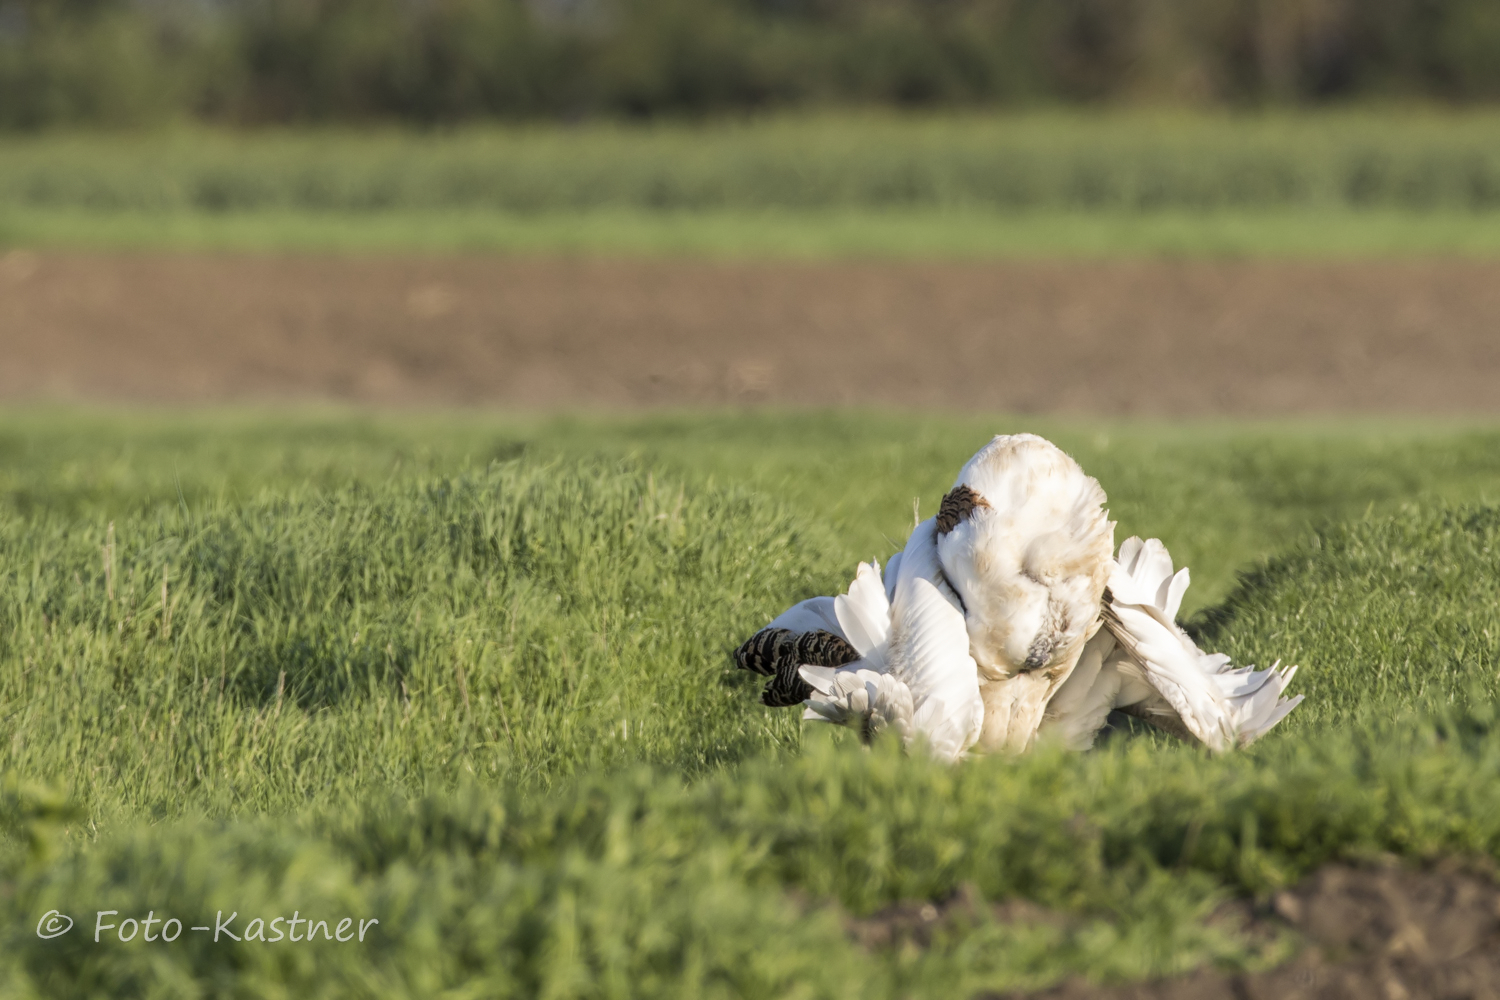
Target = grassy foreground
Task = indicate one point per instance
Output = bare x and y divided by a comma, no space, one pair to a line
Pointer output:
468,676
1374,182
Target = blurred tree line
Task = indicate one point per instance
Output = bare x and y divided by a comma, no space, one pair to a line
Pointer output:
128,61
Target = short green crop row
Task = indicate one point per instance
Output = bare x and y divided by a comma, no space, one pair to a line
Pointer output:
1130,162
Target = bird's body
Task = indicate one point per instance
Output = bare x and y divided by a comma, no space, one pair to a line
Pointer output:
1026,544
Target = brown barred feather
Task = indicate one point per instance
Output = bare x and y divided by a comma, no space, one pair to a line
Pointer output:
777,653
824,649
785,690
958,503
758,653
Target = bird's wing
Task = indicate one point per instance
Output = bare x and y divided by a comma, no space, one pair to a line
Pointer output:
929,650
1220,705
816,614
864,613
919,680
1081,705
1173,672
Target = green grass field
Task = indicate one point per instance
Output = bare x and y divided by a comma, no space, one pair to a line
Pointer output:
1381,182
468,675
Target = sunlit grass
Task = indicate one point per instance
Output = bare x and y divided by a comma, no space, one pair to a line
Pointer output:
468,675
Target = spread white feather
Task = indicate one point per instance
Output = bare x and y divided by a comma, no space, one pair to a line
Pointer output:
920,681
1223,706
864,613
812,615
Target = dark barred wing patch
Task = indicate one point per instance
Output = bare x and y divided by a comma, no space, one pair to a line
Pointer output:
958,503
758,654
777,653
821,649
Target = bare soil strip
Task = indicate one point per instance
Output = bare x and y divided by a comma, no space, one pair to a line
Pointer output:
1385,933
1367,932
1168,338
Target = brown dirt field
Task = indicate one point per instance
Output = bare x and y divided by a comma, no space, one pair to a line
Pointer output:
1142,337
1388,933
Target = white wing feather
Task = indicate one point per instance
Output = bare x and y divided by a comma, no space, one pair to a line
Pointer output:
812,615
1222,706
920,681
929,650
1082,704
864,613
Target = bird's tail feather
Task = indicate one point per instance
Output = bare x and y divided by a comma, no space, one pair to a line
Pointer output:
869,701
1255,699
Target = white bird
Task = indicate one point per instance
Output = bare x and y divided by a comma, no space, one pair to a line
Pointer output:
1024,540
917,678
994,626
1144,664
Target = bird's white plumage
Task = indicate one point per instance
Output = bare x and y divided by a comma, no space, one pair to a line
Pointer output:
864,612
1222,706
920,681
929,649
1030,562
987,634
816,614
1082,703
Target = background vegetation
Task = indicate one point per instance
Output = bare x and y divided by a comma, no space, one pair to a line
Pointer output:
470,676
1136,163
1344,183
432,61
